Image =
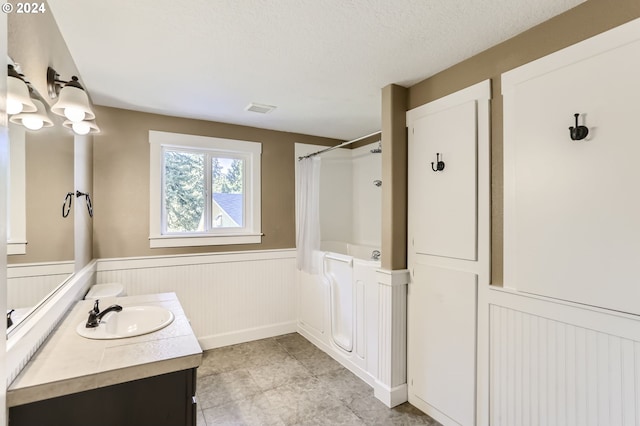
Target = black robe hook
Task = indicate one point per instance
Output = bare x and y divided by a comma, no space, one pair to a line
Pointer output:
439,165
578,133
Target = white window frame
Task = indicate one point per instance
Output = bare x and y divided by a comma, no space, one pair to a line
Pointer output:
17,212
250,152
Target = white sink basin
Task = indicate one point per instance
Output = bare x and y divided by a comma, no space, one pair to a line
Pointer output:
131,321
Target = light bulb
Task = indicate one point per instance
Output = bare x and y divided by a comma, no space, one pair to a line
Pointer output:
81,128
14,107
32,123
74,114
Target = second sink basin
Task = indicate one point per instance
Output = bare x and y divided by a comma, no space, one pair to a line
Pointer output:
131,321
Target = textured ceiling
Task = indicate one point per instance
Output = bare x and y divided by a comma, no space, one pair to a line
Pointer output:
321,62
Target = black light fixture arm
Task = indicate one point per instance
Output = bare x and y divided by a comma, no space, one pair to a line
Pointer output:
54,84
13,72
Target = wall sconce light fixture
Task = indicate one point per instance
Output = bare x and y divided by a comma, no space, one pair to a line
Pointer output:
82,127
73,101
33,120
18,99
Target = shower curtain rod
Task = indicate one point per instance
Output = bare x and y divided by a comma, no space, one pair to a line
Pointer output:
338,146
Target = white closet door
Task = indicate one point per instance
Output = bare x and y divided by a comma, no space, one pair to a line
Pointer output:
448,252
572,228
443,335
444,202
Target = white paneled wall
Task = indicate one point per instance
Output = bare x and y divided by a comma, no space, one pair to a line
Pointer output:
28,284
560,351
228,297
583,369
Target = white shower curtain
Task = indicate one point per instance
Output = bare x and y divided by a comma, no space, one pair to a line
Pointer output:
308,213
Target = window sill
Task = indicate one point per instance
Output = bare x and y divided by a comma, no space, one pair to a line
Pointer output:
182,241
16,247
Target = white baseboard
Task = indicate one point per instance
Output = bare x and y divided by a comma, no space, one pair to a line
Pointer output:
247,335
433,412
337,355
391,397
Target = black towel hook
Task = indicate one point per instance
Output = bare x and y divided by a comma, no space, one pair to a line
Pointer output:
439,164
578,133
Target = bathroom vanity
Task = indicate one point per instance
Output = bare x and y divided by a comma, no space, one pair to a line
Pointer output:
144,380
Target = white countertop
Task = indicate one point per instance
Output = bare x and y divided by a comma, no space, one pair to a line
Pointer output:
67,363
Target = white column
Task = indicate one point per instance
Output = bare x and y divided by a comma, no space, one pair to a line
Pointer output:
391,380
83,182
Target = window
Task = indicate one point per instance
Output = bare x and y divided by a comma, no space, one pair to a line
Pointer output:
204,190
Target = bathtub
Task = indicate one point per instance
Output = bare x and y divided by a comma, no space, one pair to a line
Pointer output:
338,307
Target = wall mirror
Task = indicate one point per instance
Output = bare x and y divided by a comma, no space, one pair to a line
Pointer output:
40,239
34,43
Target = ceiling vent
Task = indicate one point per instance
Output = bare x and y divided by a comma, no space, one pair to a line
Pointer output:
259,108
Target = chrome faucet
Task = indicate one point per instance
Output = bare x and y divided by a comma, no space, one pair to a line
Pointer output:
375,255
95,316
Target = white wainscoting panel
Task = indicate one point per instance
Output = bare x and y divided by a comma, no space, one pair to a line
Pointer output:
229,297
391,380
550,372
26,337
28,284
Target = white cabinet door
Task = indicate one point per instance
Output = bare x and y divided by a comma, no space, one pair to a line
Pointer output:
448,252
572,210
442,335
443,203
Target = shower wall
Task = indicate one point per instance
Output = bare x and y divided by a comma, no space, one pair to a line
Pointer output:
367,198
350,203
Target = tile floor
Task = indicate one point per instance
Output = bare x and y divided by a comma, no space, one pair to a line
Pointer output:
286,380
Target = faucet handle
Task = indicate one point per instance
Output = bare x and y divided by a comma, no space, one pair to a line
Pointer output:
94,314
96,308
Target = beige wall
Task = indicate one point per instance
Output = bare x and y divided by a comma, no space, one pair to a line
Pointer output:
580,23
49,176
394,178
121,181
35,43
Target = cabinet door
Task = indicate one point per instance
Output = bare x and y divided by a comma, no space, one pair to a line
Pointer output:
165,400
443,203
442,340
572,228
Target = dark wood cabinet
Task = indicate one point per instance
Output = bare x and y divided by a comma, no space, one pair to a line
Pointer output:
165,400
